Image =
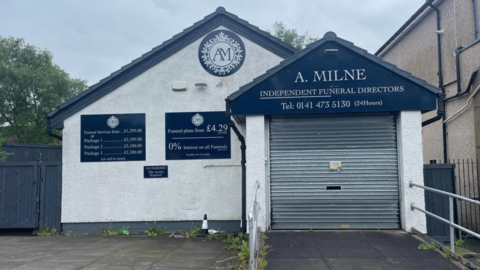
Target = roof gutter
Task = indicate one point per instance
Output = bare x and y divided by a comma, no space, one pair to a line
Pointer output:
406,25
49,130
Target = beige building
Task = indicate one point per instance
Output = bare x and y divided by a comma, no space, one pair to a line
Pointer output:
442,37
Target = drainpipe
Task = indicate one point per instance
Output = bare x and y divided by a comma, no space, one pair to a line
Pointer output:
243,147
457,65
469,87
475,17
49,131
440,98
440,111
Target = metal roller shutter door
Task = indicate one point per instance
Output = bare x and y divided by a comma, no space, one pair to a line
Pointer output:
306,194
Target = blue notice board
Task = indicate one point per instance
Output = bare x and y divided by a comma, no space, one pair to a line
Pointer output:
112,137
197,135
160,171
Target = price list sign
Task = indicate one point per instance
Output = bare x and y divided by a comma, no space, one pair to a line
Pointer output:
197,135
112,137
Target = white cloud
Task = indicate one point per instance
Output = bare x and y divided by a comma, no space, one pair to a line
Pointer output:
91,39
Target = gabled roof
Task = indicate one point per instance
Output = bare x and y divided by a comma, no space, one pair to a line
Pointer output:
331,36
218,18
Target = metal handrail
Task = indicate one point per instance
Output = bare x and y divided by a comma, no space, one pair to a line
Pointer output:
253,238
446,193
450,222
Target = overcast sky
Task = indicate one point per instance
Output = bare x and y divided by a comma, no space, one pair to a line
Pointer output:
92,38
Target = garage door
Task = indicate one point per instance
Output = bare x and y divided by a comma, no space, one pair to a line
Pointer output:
307,194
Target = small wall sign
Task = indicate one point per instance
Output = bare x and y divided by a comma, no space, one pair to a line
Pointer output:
197,135
221,53
160,171
112,137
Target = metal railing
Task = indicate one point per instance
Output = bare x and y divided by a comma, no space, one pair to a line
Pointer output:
253,235
450,222
467,183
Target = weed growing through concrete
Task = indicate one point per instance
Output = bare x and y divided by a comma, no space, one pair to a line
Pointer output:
447,254
239,243
109,231
426,246
45,231
152,232
68,233
194,231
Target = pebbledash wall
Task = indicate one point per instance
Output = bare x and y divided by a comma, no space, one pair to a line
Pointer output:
96,194
106,192
415,49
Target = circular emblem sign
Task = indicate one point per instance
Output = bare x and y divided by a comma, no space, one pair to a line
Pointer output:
197,120
221,53
113,122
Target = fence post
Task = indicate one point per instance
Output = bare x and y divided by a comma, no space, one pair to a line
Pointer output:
452,229
251,241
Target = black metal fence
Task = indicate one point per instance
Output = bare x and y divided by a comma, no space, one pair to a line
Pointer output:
467,184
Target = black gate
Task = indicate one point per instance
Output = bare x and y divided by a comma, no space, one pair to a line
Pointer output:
442,177
30,195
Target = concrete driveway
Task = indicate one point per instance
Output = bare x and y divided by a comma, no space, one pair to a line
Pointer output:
110,253
351,250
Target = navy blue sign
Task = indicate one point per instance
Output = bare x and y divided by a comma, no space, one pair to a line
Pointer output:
155,171
221,53
112,137
197,135
332,78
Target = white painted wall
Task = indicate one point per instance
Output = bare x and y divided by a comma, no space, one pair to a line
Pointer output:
117,191
256,165
410,167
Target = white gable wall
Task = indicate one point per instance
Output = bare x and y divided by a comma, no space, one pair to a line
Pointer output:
117,191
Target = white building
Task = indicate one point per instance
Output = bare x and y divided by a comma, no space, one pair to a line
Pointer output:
332,135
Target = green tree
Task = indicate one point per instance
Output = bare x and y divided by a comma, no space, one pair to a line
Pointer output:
31,85
291,36
3,155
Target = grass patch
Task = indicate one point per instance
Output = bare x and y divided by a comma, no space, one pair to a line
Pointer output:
45,231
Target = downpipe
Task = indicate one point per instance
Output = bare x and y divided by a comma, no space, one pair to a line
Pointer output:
441,96
475,17
440,111
243,162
